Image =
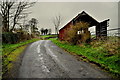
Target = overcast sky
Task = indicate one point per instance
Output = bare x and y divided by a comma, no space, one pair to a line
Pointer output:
44,12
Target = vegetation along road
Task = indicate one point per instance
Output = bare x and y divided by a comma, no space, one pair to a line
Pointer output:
43,59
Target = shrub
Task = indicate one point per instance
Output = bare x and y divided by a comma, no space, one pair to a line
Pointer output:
72,35
9,37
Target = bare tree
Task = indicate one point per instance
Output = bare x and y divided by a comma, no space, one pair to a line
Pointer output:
20,12
57,21
5,12
49,31
12,12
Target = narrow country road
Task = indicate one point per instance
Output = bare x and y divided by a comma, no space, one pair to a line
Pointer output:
43,59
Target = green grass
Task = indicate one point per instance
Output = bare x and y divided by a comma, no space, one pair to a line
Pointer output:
13,57
7,48
95,54
47,36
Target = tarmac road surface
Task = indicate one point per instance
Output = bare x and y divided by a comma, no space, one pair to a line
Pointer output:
43,59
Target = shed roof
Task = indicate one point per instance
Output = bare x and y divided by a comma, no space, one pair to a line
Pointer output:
83,16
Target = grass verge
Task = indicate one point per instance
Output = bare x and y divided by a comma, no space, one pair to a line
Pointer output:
10,55
97,55
8,48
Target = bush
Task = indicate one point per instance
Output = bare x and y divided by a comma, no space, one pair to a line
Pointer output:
9,37
72,35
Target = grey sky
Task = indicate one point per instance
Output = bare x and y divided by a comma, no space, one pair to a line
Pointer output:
46,11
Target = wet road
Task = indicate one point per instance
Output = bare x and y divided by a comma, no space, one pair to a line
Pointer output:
43,59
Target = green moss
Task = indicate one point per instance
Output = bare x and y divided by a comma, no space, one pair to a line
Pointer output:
14,56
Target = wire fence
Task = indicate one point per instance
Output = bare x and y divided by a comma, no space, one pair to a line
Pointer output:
114,32
111,32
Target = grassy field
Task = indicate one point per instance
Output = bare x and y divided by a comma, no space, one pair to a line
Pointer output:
11,53
48,36
102,53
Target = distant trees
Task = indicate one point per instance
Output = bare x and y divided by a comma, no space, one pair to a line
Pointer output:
12,12
33,24
45,31
42,31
